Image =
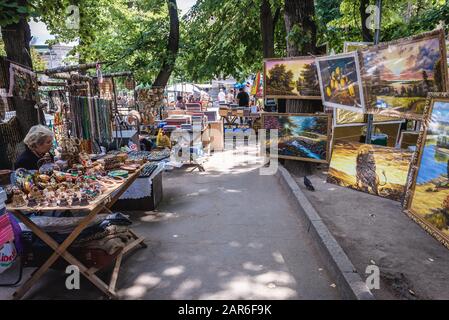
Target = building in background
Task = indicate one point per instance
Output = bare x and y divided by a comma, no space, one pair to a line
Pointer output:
55,55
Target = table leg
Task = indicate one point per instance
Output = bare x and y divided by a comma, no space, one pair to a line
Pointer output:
58,249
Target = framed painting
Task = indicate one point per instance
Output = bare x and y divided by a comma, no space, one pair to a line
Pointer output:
374,169
301,136
427,198
349,46
340,82
344,118
291,78
398,75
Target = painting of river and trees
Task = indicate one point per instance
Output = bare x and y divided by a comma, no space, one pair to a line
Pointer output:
428,198
300,136
291,78
398,75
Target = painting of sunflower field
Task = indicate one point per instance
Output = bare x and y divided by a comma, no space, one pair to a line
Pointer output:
428,200
291,78
300,136
340,82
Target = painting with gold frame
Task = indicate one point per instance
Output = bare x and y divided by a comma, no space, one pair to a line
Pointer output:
427,197
374,169
397,75
291,78
349,46
301,136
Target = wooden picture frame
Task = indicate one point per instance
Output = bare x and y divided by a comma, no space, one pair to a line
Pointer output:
357,87
372,166
414,172
370,82
294,96
328,134
337,124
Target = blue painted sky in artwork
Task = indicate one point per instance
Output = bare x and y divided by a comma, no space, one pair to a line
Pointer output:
440,111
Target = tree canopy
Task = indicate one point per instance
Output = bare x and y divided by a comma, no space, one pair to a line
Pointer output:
217,38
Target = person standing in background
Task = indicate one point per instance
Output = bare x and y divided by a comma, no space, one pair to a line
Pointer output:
243,101
221,96
230,97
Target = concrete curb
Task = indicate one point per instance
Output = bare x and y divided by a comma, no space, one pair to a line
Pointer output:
337,262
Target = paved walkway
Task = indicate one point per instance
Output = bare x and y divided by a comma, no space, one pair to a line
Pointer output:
227,233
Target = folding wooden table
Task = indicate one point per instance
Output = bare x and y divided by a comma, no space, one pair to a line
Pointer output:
102,203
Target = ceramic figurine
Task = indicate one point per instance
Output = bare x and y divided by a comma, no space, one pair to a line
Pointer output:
63,202
32,201
17,198
36,194
84,201
52,202
75,200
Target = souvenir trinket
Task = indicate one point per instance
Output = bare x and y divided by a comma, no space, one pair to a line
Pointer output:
18,198
84,200
32,202
63,202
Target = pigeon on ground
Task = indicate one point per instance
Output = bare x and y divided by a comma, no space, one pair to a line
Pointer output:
308,184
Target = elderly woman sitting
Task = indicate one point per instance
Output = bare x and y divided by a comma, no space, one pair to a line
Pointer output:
38,143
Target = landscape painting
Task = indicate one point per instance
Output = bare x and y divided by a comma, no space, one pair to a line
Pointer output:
373,169
344,117
340,82
428,198
350,118
353,46
398,75
300,136
291,78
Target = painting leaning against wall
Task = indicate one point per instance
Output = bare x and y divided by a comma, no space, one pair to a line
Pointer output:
373,169
398,75
300,136
427,198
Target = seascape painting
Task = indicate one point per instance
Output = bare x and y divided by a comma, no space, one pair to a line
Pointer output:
340,82
397,76
378,170
291,78
300,136
429,198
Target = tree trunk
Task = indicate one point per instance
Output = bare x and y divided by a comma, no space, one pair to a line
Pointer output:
172,47
366,34
16,38
299,15
267,29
